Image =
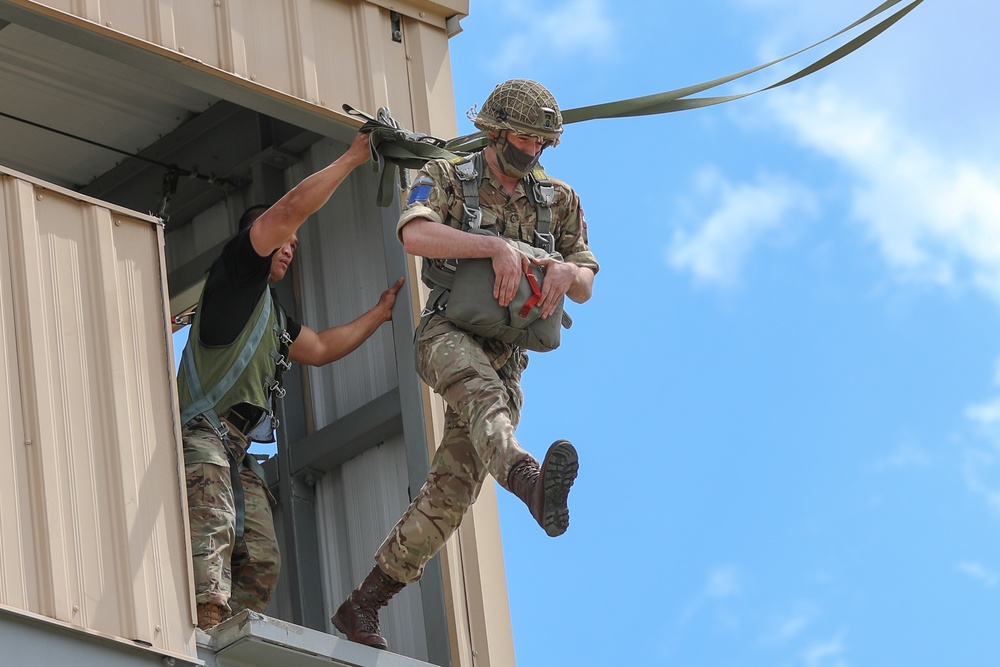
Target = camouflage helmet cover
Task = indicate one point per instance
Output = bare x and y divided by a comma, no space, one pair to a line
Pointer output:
523,106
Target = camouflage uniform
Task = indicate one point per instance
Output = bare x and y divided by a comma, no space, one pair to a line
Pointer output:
250,580
478,378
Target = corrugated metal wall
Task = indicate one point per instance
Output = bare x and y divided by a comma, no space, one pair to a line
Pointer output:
342,262
92,526
359,507
324,52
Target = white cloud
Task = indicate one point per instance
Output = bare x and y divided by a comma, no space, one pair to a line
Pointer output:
746,212
985,414
905,456
722,583
788,628
935,218
980,471
571,29
824,654
980,573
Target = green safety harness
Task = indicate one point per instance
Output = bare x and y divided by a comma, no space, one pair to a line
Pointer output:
204,403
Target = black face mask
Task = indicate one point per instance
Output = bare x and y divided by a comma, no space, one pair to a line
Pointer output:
513,161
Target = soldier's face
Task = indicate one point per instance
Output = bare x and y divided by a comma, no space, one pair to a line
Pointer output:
530,145
282,258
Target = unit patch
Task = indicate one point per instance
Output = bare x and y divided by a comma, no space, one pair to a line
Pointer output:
420,190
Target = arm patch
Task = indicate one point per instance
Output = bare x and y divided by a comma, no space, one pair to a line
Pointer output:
421,190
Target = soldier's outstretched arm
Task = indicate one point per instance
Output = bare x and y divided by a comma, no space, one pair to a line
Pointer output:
426,238
319,348
278,223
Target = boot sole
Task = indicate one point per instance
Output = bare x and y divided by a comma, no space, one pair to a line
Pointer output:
342,628
562,464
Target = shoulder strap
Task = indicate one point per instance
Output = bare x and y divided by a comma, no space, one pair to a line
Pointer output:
541,192
470,174
203,403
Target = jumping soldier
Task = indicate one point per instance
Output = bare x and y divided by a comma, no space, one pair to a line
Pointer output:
500,189
240,342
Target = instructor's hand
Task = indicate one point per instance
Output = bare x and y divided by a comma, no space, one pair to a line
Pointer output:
388,300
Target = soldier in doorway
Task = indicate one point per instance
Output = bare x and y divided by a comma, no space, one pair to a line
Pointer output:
240,343
478,377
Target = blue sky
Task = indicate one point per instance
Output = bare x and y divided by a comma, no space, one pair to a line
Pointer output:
786,389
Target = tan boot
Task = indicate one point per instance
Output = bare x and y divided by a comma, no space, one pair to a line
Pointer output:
357,617
545,490
210,615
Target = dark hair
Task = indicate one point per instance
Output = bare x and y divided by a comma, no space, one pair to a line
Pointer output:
252,214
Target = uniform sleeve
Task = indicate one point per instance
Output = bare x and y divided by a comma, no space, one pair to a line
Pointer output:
570,228
431,196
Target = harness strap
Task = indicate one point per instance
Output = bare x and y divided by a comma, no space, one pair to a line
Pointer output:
239,497
204,403
542,193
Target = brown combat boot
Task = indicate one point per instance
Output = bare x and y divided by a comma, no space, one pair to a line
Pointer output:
545,490
357,617
210,615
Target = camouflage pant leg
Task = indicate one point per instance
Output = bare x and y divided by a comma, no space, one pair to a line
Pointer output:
457,470
452,485
489,401
212,522
256,562
217,555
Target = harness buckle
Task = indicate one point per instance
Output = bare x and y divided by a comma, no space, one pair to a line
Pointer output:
277,390
473,217
466,171
545,193
285,337
546,241
283,362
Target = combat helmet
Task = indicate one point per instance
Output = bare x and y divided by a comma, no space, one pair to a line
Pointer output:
523,106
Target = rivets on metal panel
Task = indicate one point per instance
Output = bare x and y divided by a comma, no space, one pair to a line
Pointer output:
253,77
118,223
157,629
421,15
108,24
27,441
181,49
38,197
217,3
76,608
168,661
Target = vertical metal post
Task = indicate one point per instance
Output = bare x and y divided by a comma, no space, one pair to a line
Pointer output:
414,432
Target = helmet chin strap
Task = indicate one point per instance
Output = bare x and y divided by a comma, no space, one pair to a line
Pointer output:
513,161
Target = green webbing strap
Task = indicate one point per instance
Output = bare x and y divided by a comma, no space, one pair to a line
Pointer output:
679,100
410,151
239,497
395,145
204,404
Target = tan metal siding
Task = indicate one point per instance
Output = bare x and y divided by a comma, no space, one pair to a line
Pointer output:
92,526
325,52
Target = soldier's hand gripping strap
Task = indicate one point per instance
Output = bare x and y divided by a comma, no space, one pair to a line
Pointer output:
471,305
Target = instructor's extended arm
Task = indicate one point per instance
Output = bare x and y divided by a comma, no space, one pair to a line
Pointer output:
278,223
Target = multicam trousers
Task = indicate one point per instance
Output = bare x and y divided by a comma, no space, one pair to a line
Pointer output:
237,573
483,409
